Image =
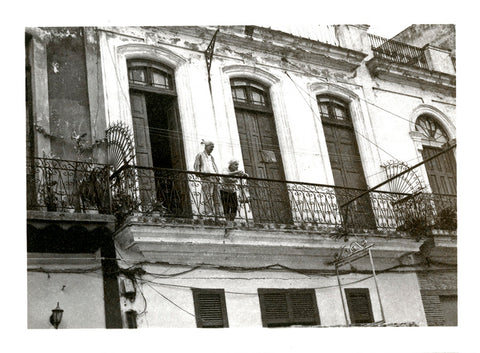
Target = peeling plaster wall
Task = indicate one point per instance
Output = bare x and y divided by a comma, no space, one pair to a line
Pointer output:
67,89
299,128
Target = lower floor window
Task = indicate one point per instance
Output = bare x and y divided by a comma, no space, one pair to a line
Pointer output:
210,308
359,305
287,307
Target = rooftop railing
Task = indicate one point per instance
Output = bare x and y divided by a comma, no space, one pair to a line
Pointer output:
398,52
198,198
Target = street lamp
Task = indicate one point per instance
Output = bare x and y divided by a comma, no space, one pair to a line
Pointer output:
56,316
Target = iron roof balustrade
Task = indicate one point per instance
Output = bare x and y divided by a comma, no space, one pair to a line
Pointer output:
398,52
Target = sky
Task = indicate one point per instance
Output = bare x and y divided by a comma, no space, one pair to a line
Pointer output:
387,30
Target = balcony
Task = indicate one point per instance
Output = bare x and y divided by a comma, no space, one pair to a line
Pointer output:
398,52
403,63
179,197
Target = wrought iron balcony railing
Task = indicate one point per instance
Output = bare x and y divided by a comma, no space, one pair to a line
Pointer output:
183,196
398,52
68,186
197,196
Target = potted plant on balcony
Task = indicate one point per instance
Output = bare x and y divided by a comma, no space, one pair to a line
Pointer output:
48,192
94,189
446,219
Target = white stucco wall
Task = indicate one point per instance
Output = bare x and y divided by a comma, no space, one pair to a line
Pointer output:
211,116
80,295
399,292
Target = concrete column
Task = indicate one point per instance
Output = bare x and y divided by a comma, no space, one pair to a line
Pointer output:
439,59
353,37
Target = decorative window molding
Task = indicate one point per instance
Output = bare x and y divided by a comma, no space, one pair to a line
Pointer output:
362,126
274,85
418,138
115,53
251,72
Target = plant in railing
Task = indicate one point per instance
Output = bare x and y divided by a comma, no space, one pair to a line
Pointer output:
123,204
93,189
416,224
48,190
446,219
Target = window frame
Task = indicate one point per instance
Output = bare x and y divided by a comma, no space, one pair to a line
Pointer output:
196,292
351,308
432,121
333,102
149,66
251,86
292,321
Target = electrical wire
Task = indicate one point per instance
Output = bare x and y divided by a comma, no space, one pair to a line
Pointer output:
171,301
262,145
320,120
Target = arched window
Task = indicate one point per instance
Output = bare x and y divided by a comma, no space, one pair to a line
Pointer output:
147,75
260,150
442,170
250,95
430,129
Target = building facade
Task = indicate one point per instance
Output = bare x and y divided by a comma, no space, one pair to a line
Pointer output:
334,227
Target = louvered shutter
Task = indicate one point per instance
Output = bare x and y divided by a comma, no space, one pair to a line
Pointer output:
286,307
210,308
304,307
275,308
359,305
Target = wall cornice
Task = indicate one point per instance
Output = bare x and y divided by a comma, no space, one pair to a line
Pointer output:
413,76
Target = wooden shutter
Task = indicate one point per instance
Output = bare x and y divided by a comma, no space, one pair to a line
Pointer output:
441,171
286,307
210,308
359,305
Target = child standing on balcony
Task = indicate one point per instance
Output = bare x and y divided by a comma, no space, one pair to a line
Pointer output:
228,190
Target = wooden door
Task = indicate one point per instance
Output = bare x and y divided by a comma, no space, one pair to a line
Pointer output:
177,186
441,171
348,172
262,159
142,147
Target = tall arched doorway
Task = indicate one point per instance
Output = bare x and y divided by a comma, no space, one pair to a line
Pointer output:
345,159
261,151
158,136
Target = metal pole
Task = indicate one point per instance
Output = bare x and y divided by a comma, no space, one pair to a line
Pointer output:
341,295
376,285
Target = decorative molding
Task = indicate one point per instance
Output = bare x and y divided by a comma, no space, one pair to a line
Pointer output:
150,52
278,106
436,114
252,72
414,76
362,126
